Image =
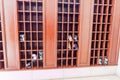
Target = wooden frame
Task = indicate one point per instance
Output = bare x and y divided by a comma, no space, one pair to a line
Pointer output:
15,21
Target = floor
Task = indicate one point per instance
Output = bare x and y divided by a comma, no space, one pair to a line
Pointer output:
107,77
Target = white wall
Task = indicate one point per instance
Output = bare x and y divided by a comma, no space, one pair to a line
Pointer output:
118,70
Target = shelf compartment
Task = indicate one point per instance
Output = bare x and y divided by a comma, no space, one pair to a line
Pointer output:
67,35
102,18
30,28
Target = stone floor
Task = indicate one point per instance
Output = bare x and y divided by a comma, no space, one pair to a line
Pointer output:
107,77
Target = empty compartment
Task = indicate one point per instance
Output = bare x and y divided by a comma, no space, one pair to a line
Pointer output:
34,36
27,16
64,54
75,54
70,27
101,44
101,53
76,27
58,62
28,55
108,27
40,36
100,9
65,8
65,17
102,36
110,1
40,27
0,36
27,26
1,46
94,27
34,45
60,8
95,8
20,16
59,0
95,1
71,8
65,27
109,19
106,44
105,9
106,53
69,62
1,56
76,8
93,36
27,6
28,46
21,27
96,53
33,6
103,27
40,63
28,36
94,18
22,64
65,0
92,53
59,45
100,1
64,62
104,19
107,36
40,45
77,1
40,6
95,61
22,55
97,44
76,17
98,27
33,16
59,27
59,36
34,64
59,17
64,45
22,46
99,18
34,27
105,1
65,36
69,53
91,61
40,17
74,62
59,54
71,0
97,36
71,18
20,5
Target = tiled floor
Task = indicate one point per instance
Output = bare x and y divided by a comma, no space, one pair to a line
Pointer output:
108,77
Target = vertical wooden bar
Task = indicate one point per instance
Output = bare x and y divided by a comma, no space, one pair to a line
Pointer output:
50,34
114,48
85,32
10,20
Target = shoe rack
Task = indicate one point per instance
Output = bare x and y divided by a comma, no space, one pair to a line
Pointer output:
49,34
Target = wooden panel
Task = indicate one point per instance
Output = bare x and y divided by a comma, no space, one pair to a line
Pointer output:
9,16
114,50
84,32
50,34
